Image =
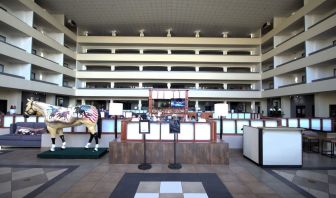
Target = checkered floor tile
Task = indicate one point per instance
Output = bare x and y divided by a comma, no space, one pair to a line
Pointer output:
170,185
170,189
20,181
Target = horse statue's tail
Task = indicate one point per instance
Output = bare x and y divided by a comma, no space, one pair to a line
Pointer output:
99,124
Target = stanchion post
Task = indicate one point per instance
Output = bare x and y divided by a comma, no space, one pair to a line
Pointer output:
115,127
144,127
221,128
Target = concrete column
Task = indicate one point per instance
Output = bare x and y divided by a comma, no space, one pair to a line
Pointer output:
139,105
197,68
140,84
83,84
197,85
83,101
225,52
112,68
51,99
113,51
253,106
140,67
168,85
141,51
196,51
112,84
224,69
252,52
196,105
225,85
286,106
168,68
84,67
169,51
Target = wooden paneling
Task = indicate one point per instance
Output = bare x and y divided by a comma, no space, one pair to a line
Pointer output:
162,152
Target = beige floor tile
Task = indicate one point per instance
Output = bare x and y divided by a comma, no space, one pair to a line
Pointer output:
237,187
82,187
257,187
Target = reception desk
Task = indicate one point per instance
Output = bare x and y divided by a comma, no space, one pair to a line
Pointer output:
273,146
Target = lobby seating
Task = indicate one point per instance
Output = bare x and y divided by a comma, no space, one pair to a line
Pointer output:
30,139
328,147
311,142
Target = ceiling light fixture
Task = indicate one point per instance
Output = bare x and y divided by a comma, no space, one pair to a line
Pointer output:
197,33
225,34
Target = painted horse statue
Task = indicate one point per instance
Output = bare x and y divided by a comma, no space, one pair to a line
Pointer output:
57,118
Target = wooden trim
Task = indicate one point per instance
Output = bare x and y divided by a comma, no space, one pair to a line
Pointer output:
123,130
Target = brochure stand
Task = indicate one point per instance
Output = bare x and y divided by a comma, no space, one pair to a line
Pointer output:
174,127
144,128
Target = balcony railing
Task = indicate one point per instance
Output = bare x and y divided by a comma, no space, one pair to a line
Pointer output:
285,63
289,38
42,81
12,75
325,78
268,68
13,45
322,49
289,85
320,21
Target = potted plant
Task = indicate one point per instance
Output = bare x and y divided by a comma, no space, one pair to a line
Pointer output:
12,109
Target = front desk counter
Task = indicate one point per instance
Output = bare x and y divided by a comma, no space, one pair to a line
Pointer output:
273,146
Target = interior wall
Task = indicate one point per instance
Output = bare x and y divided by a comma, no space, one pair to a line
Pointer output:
13,97
322,102
302,100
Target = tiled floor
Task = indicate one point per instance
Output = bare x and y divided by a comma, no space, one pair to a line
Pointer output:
98,178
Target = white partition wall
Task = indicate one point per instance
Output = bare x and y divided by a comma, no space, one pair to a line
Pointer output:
283,122
250,142
241,124
304,123
30,119
40,119
8,120
282,147
327,125
67,130
80,128
133,131
154,131
187,131
247,116
107,125
315,124
234,115
273,146
229,126
271,123
165,135
257,123
202,131
21,119
293,122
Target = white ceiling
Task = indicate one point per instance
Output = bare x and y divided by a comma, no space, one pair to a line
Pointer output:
211,17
